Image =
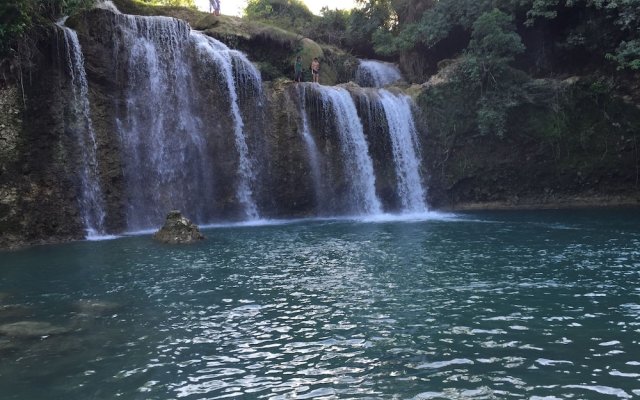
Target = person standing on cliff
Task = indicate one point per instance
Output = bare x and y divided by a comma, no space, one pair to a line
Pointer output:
298,69
215,7
315,70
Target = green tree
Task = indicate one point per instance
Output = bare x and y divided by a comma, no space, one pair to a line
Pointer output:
14,20
288,14
609,28
494,41
331,27
486,69
436,24
364,22
17,17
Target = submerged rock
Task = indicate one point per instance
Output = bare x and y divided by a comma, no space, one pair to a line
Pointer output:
13,311
178,229
4,296
31,329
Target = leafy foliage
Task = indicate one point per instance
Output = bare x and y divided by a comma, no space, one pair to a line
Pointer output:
597,29
627,55
331,27
374,16
292,15
436,24
18,16
353,29
485,68
14,20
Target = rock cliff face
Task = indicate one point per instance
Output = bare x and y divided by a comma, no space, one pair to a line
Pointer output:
171,111
568,142
38,185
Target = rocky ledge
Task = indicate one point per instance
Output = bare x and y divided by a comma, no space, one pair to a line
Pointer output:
178,229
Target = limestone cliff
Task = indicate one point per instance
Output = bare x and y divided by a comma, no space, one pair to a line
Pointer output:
37,184
569,142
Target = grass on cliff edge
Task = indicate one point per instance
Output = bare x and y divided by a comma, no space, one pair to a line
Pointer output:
252,37
221,26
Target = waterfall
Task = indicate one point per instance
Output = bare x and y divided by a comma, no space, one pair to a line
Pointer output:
91,196
188,113
355,152
372,73
165,164
247,75
404,139
312,148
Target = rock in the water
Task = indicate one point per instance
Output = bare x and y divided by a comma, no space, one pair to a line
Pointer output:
178,229
31,329
13,311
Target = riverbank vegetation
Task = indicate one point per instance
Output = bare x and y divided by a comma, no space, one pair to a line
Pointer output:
490,50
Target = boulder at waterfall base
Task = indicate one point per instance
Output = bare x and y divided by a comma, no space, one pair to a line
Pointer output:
178,229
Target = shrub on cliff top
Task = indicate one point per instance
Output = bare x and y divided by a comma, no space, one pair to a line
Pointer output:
18,17
288,14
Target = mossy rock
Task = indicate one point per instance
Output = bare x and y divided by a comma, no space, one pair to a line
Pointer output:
178,229
32,329
191,15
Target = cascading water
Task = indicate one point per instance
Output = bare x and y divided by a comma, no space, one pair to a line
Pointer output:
404,139
225,59
166,165
372,73
189,117
358,164
91,196
311,147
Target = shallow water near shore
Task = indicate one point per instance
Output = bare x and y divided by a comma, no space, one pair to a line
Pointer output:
483,305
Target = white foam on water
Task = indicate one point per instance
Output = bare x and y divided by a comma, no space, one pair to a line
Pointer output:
266,222
93,237
406,217
428,395
519,328
602,390
615,372
442,364
253,223
547,362
545,398
141,232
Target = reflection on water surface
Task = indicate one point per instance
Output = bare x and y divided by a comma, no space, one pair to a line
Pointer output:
540,305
